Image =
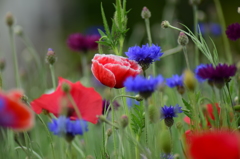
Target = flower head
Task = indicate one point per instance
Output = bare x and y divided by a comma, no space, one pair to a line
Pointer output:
214,144
199,78
174,81
106,104
170,112
63,126
167,156
144,55
88,101
14,114
210,28
233,31
112,70
79,42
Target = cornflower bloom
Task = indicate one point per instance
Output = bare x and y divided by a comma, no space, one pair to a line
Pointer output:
176,81
144,55
63,126
167,113
233,31
210,28
217,75
144,86
167,156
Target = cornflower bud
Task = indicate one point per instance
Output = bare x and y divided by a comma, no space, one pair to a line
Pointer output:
18,30
24,99
66,87
138,98
179,125
146,14
2,64
165,24
9,19
165,141
124,121
238,10
182,39
189,80
51,57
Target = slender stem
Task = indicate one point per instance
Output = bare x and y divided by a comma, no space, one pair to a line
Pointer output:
121,41
146,120
223,24
14,54
186,56
195,13
1,81
74,105
147,22
227,84
53,76
172,51
136,148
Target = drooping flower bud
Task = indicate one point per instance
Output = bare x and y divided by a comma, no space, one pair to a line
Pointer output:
189,80
51,57
165,24
182,39
124,121
9,19
146,14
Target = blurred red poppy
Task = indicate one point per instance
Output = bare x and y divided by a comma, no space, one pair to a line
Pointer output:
112,70
215,145
88,101
14,114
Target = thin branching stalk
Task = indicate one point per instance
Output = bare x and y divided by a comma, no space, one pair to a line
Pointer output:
186,56
195,16
53,76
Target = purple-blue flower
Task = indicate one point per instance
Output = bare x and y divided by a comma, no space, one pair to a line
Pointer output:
167,156
233,31
199,78
210,28
170,112
175,81
106,104
63,126
145,54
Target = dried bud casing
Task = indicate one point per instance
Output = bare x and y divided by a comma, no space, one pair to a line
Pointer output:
190,80
124,121
165,24
51,57
9,19
182,39
146,14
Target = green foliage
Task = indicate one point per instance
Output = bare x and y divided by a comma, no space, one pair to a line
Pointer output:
138,119
187,111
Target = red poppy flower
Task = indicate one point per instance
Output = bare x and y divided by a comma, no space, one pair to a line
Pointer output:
88,101
112,70
215,145
14,114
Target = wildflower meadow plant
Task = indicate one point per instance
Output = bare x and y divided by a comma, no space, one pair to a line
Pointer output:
128,113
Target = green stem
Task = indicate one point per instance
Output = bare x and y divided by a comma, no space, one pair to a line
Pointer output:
53,76
223,24
121,41
195,13
146,120
85,67
14,54
186,56
74,105
136,148
147,22
171,51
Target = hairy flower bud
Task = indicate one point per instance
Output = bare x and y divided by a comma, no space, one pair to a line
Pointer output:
165,24
109,132
146,14
51,57
9,19
190,80
66,87
182,39
124,121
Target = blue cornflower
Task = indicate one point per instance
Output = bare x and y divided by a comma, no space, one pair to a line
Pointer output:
144,55
167,113
132,102
167,156
199,78
175,81
63,126
210,28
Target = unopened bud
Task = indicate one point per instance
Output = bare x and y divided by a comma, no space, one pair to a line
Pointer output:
9,19
190,80
66,87
165,24
146,94
138,98
2,64
102,118
124,121
146,14
238,10
182,39
154,114
24,99
181,90
194,2
179,125
109,132
51,57
165,141
169,122
18,30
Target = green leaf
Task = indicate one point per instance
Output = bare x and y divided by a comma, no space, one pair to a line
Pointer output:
188,106
187,113
138,119
105,24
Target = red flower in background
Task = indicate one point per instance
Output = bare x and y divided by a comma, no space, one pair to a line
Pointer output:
112,70
88,101
215,145
14,114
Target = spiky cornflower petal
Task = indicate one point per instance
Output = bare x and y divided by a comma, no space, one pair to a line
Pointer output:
145,54
170,112
233,31
174,81
63,126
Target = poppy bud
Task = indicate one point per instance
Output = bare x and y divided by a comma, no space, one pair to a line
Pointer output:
182,39
146,14
179,125
165,24
65,87
165,141
9,19
109,132
189,80
51,57
24,99
124,121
